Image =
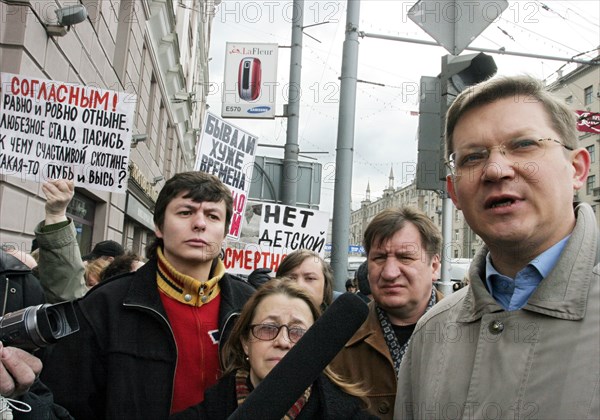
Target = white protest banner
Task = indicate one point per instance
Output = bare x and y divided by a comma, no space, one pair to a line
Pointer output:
51,130
250,80
282,229
271,231
228,152
286,228
244,258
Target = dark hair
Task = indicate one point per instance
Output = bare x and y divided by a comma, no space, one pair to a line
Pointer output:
259,277
200,187
385,225
296,258
362,279
120,265
233,352
562,118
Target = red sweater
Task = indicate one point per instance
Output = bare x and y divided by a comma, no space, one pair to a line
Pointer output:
192,308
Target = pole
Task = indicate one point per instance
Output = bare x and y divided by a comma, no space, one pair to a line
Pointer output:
344,150
289,186
446,284
500,51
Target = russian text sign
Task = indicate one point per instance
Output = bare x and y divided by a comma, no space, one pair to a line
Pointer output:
51,130
228,152
279,230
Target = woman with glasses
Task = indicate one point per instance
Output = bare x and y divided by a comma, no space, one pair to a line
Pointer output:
273,320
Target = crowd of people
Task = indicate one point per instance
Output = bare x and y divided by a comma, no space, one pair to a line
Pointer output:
175,335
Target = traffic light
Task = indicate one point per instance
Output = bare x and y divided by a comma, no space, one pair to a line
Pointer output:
429,135
436,96
460,72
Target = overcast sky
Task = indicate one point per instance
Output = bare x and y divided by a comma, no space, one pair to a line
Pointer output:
385,130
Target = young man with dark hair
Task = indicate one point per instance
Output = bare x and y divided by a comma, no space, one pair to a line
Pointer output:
149,341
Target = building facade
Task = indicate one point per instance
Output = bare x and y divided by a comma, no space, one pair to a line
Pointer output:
464,242
156,50
579,86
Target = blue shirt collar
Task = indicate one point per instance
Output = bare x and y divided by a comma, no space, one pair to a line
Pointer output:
514,293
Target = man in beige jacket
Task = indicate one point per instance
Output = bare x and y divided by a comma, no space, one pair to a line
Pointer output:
522,340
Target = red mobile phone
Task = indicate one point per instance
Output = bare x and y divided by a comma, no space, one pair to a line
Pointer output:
249,78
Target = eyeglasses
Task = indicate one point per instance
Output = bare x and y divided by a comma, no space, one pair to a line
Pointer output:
518,150
268,332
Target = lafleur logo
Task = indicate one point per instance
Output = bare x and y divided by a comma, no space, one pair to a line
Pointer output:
259,109
251,51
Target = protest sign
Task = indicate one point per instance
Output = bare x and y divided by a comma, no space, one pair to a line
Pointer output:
51,130
228,152
244,258
286,228
281,230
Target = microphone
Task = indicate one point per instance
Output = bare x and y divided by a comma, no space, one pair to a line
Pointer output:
288,380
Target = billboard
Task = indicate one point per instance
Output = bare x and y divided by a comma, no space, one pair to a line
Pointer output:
250,80
588,122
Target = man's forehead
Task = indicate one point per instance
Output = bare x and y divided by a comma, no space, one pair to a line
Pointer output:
182,199
394,245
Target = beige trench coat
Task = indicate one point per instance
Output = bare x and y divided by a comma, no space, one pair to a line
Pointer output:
470,359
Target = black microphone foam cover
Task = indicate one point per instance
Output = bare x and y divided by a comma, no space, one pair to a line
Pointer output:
288,380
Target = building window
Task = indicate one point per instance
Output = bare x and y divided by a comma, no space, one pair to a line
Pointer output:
587,95
592,151
569,99
591,184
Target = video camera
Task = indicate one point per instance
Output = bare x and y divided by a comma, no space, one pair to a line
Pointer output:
38,326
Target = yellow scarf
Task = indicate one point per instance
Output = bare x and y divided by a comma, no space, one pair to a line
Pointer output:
186,289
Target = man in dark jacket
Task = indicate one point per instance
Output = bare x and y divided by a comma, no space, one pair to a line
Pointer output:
149,341
20,289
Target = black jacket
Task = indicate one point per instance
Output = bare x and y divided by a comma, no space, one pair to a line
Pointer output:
20,289
327,401
121,364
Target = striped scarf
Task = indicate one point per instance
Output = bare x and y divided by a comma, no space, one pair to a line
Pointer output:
397,351
186,289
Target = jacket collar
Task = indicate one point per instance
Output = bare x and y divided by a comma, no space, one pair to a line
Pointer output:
562,294
370,332
143,290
